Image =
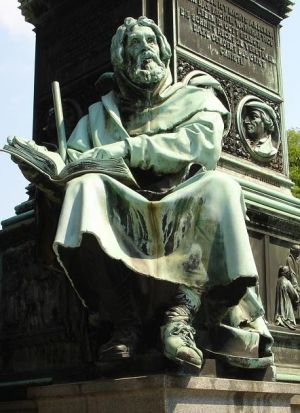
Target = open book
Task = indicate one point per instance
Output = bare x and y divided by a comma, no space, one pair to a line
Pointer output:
51,165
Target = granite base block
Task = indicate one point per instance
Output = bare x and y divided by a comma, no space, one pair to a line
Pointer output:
161,394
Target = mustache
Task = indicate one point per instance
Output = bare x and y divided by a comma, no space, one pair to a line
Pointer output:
145,58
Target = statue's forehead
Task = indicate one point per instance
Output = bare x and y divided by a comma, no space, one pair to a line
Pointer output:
254,112
140,30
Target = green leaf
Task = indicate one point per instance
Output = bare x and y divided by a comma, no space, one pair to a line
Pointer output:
294,159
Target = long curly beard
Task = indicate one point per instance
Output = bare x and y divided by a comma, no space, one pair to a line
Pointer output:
148,70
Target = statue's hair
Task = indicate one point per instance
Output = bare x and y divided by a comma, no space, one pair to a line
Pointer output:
268,121
266,112
283,270
295,248
119,40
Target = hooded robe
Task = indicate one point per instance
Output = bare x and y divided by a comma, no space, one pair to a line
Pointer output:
186,225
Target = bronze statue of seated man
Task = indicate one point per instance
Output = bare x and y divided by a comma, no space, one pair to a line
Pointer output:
184,225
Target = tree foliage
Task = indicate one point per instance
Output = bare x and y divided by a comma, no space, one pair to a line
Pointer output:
294,159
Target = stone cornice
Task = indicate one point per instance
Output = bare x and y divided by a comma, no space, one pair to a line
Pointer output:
280,7
32,10
286,7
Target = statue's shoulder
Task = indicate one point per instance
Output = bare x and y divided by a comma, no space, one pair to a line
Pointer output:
104,84
211,90
95,107
201,79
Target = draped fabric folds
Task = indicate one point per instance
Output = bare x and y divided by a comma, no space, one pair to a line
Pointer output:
194,233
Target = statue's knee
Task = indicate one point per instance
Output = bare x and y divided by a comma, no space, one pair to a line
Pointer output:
223,184
88,181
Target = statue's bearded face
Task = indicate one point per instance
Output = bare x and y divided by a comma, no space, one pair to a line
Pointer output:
143,65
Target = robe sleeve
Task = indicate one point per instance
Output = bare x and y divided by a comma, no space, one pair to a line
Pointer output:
196,141
80,139
292,292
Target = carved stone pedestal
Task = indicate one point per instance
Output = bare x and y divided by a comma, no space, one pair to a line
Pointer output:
161,394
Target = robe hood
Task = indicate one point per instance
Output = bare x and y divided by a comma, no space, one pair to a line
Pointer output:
130,94
132,98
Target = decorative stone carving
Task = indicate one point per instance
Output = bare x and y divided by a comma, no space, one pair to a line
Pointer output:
30,203
287,298
33,9
293,262
43,324
278,225
235,92
288,291
258,127
286,7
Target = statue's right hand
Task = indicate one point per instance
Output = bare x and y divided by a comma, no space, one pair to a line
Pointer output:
28,172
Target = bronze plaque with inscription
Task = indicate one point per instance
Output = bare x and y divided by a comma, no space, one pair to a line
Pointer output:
230,36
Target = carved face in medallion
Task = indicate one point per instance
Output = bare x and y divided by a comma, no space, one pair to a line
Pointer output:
259,127
142,55
255,125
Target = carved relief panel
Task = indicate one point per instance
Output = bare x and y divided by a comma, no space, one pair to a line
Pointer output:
257,126
237,142
287,310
